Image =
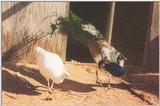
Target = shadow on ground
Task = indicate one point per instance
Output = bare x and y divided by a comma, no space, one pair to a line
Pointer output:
13,84
151,82
142,79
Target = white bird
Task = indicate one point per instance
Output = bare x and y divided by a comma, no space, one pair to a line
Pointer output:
51,67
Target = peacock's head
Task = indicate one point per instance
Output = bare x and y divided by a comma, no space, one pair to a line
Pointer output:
121,59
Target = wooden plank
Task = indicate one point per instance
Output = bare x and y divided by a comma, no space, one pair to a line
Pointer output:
24,21
151,52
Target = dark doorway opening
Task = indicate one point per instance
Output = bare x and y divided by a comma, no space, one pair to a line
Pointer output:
130,29
94,12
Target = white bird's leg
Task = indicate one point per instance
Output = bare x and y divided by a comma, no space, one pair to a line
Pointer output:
48,87
48,90
52,86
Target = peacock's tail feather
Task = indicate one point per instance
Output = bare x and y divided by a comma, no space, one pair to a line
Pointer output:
85,33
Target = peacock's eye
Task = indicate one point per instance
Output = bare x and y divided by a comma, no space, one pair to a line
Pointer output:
120,57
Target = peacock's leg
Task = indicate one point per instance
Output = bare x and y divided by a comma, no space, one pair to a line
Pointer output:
97,76
109,77
97,79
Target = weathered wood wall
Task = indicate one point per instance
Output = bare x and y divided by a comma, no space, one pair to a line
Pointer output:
24,25
151,54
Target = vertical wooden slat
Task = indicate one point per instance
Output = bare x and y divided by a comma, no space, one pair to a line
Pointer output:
151,52
110,21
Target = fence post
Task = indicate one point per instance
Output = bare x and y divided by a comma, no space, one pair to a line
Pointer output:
110,21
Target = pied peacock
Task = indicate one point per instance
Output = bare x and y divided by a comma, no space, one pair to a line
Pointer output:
106,56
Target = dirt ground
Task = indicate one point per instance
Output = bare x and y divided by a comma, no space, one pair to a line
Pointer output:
79,88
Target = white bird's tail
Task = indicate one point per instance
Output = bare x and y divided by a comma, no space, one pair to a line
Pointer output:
40,52
39,49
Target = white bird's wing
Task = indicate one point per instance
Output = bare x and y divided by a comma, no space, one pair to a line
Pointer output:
53,64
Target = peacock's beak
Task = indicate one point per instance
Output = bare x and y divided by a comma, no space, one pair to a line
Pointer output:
123,57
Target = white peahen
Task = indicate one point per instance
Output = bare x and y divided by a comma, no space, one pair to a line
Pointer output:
51,67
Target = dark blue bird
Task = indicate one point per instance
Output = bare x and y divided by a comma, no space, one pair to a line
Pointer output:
115,69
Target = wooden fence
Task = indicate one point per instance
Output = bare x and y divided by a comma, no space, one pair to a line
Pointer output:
24,26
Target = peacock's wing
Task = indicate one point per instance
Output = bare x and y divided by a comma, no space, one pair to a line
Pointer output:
95,48
95,51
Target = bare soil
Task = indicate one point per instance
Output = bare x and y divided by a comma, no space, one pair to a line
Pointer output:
79,88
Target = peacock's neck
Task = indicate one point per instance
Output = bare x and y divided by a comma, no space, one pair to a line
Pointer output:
121,63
